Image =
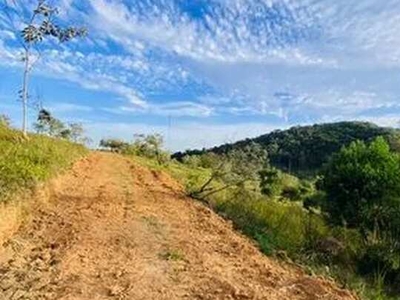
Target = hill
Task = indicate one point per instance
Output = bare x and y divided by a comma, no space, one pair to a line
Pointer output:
304,149
113,229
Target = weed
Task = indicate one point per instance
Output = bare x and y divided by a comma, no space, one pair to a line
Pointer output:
172,255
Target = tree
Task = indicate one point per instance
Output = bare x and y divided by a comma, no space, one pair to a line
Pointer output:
114,145
270,181
362,186
303,151
38,26
362,183
5,121
150,146
47,124
76,133
234,169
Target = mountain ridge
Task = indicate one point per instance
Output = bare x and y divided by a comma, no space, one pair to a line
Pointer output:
305,149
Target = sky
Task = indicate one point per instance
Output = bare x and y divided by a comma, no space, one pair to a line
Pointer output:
207,72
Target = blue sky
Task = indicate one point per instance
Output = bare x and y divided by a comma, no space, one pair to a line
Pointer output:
205,72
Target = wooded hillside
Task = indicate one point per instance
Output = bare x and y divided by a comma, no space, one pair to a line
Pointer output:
304,149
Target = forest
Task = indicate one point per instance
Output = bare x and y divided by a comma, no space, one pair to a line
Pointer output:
302,150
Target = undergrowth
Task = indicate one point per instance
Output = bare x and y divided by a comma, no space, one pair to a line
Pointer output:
284,229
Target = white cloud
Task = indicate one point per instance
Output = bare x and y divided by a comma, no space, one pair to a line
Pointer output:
227,33
298,61
171,109
62,107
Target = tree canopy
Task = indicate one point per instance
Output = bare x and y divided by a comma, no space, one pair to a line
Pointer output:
303,150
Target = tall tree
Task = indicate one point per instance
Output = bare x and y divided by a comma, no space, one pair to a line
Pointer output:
38,25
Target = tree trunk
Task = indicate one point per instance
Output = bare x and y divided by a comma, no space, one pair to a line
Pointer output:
25,95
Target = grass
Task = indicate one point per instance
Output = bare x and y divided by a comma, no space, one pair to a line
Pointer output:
24,162
172,255
282,228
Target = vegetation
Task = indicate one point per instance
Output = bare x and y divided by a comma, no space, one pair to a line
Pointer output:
304,150
362,186
234,170
38,26
24,162
51,126
150,146
342,223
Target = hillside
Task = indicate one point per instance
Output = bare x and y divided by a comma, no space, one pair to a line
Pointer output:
26,161
111,229
304,149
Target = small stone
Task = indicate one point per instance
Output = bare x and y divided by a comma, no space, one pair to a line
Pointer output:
18,295
6,284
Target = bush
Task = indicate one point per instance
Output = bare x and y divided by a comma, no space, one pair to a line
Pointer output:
362,186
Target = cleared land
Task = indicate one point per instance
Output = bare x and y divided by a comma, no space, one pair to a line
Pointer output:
115,230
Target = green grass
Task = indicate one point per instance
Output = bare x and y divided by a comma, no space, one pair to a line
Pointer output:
26,161
282,228
172,255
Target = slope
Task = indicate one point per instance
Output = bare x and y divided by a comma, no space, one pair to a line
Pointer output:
115,230
304,149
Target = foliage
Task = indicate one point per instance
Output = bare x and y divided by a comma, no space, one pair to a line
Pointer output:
23,162
235,169
291,224
362,182
39,24
51,126
270,181
42,25
304,150
150,146
362,186
114,145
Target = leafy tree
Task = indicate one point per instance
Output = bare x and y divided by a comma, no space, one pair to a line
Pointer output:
362,183
114,145
234,169
38,26
304,150
51,126
270,181
47,124
150,146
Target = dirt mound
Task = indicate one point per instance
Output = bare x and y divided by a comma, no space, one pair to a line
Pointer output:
116,230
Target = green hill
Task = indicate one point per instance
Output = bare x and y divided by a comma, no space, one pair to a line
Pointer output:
303,150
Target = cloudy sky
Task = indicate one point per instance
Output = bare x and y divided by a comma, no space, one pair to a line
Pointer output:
204,72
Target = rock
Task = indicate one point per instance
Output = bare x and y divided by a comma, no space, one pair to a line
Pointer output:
18,295
6,284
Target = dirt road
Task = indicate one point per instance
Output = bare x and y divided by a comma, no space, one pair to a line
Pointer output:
116,230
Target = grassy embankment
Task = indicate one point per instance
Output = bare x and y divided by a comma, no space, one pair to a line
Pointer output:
283,228
24,163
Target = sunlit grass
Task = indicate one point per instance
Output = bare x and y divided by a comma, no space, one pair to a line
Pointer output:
26,161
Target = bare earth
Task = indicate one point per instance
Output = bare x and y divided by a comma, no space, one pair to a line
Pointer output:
116,230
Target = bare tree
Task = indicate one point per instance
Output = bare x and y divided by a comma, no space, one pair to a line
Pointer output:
39,24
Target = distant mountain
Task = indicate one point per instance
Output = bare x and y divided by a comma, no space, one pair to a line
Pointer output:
303,150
